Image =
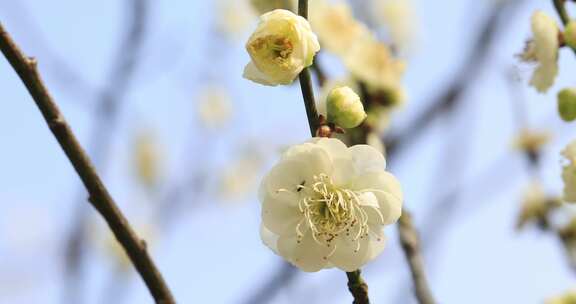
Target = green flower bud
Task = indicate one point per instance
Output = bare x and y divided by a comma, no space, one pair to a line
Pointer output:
567,104
344,108
570,34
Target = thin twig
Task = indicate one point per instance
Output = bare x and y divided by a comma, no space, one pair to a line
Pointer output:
411,245
561,9
99,197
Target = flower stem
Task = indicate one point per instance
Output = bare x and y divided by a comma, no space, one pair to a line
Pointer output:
561,9
358,288
306,82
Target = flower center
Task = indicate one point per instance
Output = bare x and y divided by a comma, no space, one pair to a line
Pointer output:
274,47
331,211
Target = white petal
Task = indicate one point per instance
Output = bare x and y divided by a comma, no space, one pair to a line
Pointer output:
280,214
544,76
346,257
307,255
335,147
269,238
368,199
251,72
388,191
367,159
286,176
377,242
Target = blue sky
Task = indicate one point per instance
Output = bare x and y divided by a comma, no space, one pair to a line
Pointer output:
213,253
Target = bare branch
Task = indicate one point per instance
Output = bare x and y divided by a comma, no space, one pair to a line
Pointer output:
99,197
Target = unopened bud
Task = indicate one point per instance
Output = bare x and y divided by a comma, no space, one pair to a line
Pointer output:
344,108
570,34
567,104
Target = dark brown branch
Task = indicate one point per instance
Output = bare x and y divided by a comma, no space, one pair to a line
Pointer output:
411,245
358,288
99,197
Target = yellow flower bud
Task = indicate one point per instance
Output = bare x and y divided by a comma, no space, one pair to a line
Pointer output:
567,104
570,34
344,108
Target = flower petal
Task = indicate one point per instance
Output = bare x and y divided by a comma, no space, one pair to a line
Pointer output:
269,238
307,255
367,159
251,72
348,256
280,213
388,191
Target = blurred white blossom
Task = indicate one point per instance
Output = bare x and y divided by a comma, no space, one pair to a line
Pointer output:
234,17
400,20
325,205
543,50
336,26
214,107
147,159
280,48
531,140
371,62
567,298
374,140
241,177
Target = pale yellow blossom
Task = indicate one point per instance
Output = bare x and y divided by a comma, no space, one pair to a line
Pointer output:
280,48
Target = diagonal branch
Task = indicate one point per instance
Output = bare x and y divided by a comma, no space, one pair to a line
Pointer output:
99,197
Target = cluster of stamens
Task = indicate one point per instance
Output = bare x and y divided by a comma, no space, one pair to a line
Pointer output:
330,212
275,47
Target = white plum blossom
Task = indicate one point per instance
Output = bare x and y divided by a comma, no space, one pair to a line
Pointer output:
543,50
569,172
280,48
325,205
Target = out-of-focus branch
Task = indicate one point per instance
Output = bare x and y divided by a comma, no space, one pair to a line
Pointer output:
99,196
105,117
411,246
55,64
265,293
475,61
